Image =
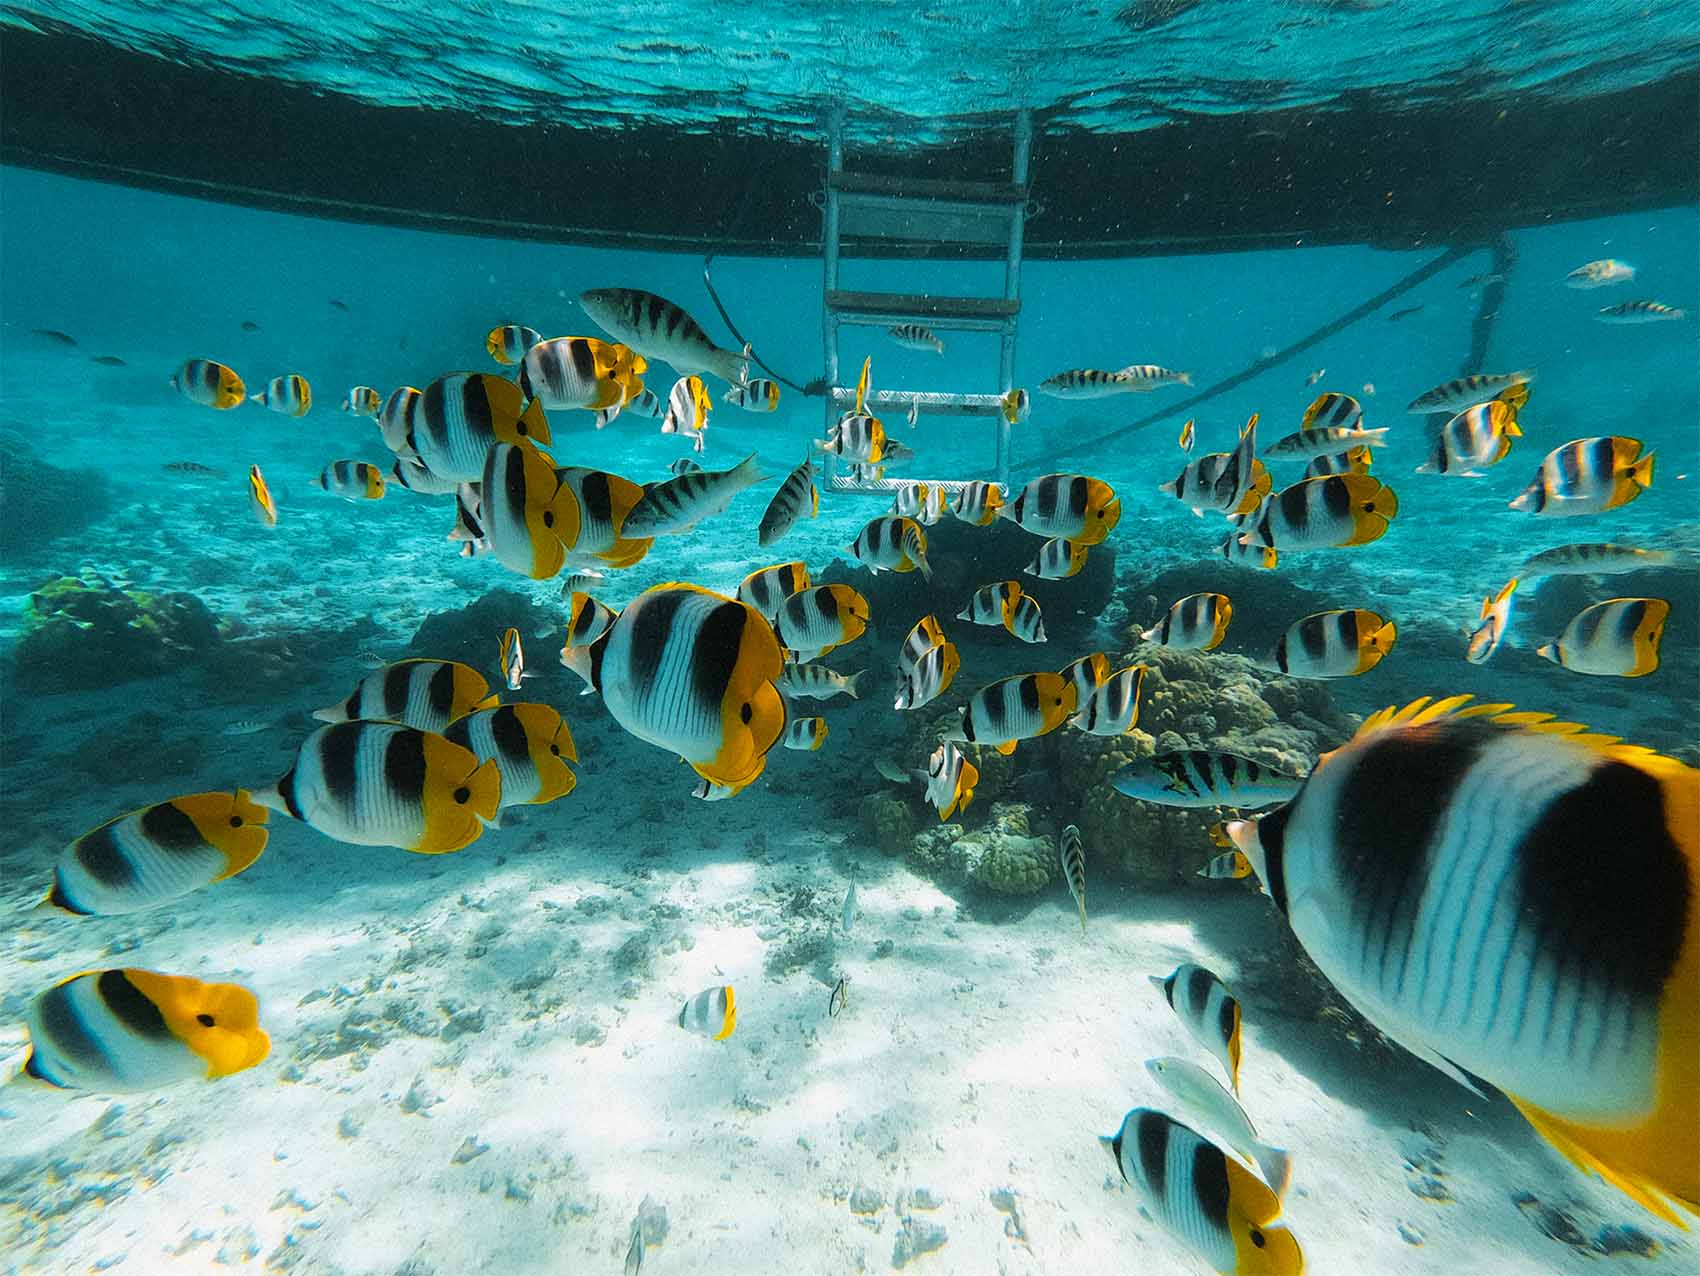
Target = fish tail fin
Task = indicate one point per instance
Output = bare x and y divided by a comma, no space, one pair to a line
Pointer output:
1276,1166
1081,905
1375,438
271,797
1548,651
853,682
1186,378
1384,638
1641,472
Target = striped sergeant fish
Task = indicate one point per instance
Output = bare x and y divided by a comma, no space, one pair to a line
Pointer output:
993,605
1094,383
384,784
427,694
125,1031
1599,274
760,395
530,745
529,515
508,342
647,404
1202,778
605,502
657,329
817,682
460,415
1058,559
1209,1011
1087,674
1478,437
1072,506
912,336
929,677
1334,644
289,394
812,622
580,372
691,672
412,474
1198,1090
1378,872
1197,622
1601,558
1010,710
688,406
977,503
1323,441
352,480
767,588
804,734
858,438
1202,1196
1072,855
158,853
951,780
677,505
893,544
1332,411
1626,312
1027,622
1112,706
684,465
398,419
1338,511
1495,623
712,1013
212,385
1357,461
1588,476
1464,392
1618,638
796,495
363,400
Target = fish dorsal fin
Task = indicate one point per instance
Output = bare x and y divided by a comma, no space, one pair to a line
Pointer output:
1251,1195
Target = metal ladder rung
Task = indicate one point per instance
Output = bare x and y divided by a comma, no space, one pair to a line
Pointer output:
970,314
1002,196
887,487
931,402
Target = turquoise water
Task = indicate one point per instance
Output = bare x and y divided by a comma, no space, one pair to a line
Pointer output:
475,1062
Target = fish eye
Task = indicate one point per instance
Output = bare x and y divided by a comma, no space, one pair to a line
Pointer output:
205,1020
1257,1237
746,713
555,749
462,794
236,821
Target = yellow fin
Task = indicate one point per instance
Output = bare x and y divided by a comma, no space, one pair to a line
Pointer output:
1556,1132
1006,748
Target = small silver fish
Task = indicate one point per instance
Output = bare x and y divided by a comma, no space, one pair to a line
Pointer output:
849,905
247,726
370,660
1316,376
581,582
840,997
1073,856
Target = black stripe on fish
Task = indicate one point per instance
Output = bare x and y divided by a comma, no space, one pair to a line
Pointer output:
1314,640
1346,625
129,1006
337,749
98,854
1198,985
66,1034
1226,1014
1028,691
716,654
1336,500
596,498
508,735
1210,1185
584,360
1151,1143
1624,916
170,829
653,622
1272,837
397,683
1388,810
440,692
286,793
404,764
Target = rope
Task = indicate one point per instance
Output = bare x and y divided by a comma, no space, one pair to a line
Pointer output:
1352,316
738,217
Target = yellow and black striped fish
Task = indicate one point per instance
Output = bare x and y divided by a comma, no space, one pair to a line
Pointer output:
760,395
1334,644
1588,476
806,734
926,634
692,672
1058,560
212,385
1112,706
460,415
1027,621
158,853
1197,622
951,780
812,622
352,480
929,677
977,502
1357,461
1087,674
1338,511
857,437
125,1031
1072,506
580,372
893,544
427,694
384,784
530,517
712,1013
1010,710
289,394
1618,638
1473,440
508,342
587,620
605,502
767,588
530,745
1492,625
1203,1196
688,406
1199,485
363,400
993,604
1211,1014
399,418
1331,410
1378,862
260,497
